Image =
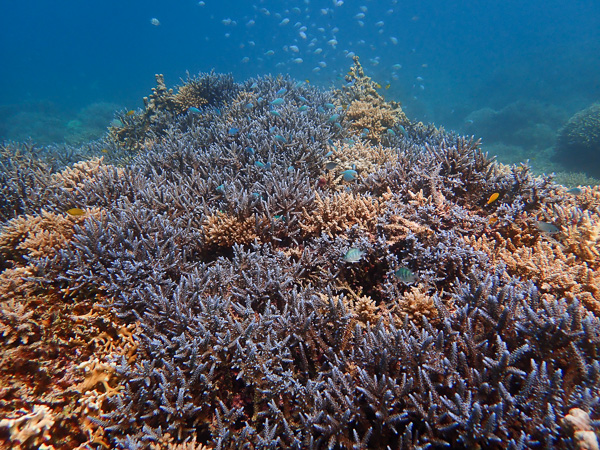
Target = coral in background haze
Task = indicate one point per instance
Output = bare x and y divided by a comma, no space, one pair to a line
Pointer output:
578,143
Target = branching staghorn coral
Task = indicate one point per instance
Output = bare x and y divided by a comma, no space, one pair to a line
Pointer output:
235,292
333,215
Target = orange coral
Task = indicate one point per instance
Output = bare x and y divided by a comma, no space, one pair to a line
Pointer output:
71,177
224,230
416,303
333,215
364,158
554,271
366,108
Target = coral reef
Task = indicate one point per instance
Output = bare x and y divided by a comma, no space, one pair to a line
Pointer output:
263,273
578,143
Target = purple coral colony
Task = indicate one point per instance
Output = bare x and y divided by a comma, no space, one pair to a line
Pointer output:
270,265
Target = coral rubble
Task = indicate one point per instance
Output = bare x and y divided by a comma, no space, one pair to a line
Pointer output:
200,295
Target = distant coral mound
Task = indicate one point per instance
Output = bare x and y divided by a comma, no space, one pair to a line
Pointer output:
578,144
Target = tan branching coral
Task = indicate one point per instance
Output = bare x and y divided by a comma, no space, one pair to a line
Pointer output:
577,424
224,230
361,156
39,235
71,177
30,430
16,323
366,109
333,215
556,272
133,130
397,228
189,95
583,238
417,303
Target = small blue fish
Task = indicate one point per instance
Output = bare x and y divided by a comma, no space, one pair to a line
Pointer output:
353,255
329,105
321,109
275,113
303,108
250,150
574,191
220,188
391,132
330,165
281,92
333,118
193,110
259,100
328,154
349,175
254,85
303,99
403,130
405,275
280,138
249,106
299,84
233,131
259,164
291,169
338,126
277,101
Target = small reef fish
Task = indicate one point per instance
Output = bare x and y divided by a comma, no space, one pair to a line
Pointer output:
130,113
405,275
193,110
249,106
154,21
574,191
303,108
333,118
330,165
275,113
546,227
280,138
277,101
353,255
349,175
281,92
233,131
493,198
391,132
75,212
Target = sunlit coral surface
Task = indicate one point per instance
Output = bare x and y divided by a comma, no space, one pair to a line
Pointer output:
268,265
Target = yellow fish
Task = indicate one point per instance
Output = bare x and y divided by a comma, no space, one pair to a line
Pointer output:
377,85
130,113
75,212
387,86
493,198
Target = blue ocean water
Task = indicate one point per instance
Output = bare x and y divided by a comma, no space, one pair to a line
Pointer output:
474,66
